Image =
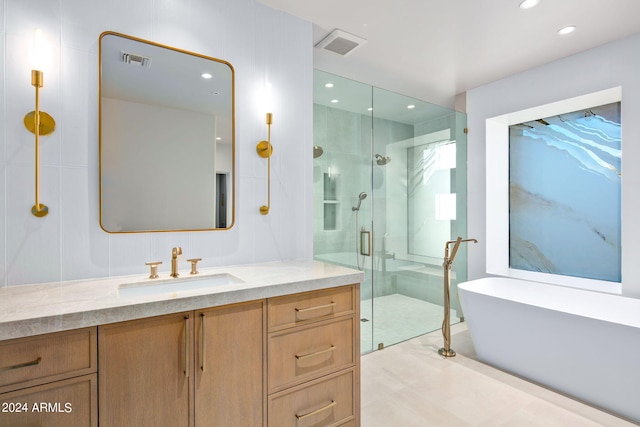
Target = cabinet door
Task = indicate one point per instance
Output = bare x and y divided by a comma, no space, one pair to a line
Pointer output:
144,371
65,403
229,374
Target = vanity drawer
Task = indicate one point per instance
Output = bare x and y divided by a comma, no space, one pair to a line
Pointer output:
72,402
25,362
328,401
299,309
304,353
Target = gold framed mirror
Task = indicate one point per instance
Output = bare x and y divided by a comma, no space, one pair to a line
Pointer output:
167,138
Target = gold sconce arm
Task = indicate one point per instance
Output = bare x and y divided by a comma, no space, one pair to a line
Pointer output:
264,150
39,123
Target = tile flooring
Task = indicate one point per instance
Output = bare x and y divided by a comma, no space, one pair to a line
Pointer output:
410,385
395,318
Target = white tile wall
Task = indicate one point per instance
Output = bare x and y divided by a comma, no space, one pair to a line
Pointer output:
261,43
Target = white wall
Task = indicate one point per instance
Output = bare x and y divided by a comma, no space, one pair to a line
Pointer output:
610,65
261,43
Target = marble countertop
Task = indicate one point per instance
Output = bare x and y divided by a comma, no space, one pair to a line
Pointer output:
27,310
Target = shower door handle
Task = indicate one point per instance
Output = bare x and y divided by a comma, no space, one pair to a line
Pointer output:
365,241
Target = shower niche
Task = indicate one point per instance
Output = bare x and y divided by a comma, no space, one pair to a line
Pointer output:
389,192
330,201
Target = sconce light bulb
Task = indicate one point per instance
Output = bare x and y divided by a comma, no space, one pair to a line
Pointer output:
39,51
267,98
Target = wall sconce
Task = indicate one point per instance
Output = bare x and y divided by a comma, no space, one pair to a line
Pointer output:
38,122
264,150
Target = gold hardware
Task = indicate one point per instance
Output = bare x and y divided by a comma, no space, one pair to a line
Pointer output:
39,123
21,365
317,307
381,346
175,252
447,351
365,236
203,343
317,411
265,150
186,346
153,274
466,130
317,353
194,262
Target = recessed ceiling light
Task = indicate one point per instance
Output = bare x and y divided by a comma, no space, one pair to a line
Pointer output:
218,138
528,4
334,101
567,30
370,109
411,107
206,75
329,85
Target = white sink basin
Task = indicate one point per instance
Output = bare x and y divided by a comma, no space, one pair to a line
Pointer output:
176,285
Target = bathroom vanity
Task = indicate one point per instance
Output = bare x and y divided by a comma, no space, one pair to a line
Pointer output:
277,346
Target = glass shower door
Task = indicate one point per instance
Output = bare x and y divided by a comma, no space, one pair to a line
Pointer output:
416,199
342,182
388,194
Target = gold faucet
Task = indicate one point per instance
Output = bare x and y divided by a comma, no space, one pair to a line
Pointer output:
447,351
174,260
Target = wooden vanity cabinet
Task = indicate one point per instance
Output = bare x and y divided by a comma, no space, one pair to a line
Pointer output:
314,358
145,371
196,368
229,377
49,380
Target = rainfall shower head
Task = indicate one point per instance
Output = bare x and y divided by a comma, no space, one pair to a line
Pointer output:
361,197
380,160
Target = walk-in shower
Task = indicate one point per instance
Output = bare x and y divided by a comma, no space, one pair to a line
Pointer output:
388,194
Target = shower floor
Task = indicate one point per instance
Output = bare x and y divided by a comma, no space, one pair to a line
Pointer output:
395,318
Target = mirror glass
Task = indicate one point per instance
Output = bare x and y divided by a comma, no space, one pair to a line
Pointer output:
166,138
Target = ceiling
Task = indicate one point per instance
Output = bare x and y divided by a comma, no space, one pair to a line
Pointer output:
172,79
436,49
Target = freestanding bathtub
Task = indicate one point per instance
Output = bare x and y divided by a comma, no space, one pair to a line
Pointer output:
582,343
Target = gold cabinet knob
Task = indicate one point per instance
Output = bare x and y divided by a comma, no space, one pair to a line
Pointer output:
194,262
153,274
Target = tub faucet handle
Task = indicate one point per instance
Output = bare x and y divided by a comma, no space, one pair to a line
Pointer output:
153,266
194,262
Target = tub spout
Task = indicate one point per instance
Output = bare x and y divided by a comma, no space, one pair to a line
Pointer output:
447,351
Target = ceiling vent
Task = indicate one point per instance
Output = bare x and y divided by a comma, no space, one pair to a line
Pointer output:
132,58
341,42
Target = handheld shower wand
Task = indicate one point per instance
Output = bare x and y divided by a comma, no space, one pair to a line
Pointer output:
361,197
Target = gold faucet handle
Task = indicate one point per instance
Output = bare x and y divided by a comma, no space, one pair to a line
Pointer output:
153,274
194,262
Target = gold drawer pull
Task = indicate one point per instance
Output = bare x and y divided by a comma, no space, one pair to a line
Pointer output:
317,411
317,307
317,353
22,365
203,342
186,346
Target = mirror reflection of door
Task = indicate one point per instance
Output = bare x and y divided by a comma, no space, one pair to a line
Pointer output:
221,200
